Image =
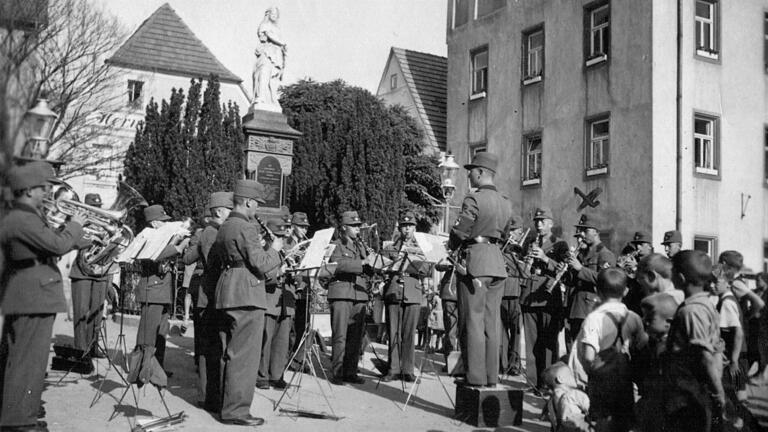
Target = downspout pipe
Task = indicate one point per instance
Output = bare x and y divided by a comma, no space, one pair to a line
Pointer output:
679,120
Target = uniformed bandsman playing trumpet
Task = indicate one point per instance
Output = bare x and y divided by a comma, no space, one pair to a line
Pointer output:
479,230
32,293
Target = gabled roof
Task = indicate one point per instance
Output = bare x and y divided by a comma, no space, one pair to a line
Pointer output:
163,43
426,76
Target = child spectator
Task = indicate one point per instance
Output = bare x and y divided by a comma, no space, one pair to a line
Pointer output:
654,274
600,357
732,334
693,366
658,312
567,407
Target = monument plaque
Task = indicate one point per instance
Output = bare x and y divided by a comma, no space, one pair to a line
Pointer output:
270,175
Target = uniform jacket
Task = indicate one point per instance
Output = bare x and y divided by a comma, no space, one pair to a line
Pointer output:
243,263
280,295
406,286
197,252
516,276
539,289
484,213
155,283
298,282
593,259
25,236
348,282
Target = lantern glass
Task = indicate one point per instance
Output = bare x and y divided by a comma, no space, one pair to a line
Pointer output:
448,170
39,121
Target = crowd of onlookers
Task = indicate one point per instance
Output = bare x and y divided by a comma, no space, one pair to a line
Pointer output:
676,359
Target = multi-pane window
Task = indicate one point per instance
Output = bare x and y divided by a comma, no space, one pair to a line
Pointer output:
533,58
460,12
705,144
706,244
479,63
597,146
485,7
706,28
531,159
598,33
134,92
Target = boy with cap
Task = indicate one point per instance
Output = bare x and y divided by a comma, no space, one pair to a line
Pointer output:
403,296
240,300
542,307
207,343
673,243
477,233
585,267
154,289
88,293
348,296
32,293
278,320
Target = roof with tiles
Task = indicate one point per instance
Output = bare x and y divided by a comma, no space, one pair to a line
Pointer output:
163,43
426,77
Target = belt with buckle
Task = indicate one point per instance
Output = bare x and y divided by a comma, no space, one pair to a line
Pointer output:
481,240
234,264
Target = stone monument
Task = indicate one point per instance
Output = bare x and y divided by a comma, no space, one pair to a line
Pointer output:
269,139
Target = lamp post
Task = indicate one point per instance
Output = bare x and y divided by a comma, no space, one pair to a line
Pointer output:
38,125
448,169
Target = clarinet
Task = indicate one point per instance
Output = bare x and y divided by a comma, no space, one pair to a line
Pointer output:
269,236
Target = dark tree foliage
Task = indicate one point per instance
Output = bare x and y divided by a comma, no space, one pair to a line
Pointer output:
187,150
356,154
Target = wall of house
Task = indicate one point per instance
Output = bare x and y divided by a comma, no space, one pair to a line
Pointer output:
558,107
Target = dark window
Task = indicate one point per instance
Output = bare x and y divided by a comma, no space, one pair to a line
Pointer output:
597,146
532,155
460,12
485,7
765,41
135,92
393,82
533,54
707,26
706,148
765,156
479,71
706,244
597,26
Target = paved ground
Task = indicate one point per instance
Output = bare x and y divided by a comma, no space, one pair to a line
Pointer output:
366,407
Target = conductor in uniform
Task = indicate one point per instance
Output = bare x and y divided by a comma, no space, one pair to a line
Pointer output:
208,345
32,293
478,232
348,296
88,293
241,300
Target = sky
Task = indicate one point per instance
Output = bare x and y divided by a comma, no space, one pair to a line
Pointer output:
327,39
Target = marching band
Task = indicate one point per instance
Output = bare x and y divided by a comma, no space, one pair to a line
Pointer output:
498,282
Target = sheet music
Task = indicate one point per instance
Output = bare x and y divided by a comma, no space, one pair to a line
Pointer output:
432,246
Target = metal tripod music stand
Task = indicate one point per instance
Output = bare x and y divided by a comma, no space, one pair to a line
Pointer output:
308,337
426,358
120,351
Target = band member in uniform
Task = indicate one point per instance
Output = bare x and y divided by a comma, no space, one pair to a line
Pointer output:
241,300
584,268
207,342
673,243
478,231
643,244
403,297
542,307
154,289
278,320
510,302
449,303
299,282
32,293
88,293
348,296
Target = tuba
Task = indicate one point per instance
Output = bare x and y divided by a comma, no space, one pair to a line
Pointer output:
104,228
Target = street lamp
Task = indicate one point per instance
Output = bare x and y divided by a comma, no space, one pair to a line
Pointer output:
38,125
448,169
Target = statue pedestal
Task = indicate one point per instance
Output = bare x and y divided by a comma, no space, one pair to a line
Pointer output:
269,156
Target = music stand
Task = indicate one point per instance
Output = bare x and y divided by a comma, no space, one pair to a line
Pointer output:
315,261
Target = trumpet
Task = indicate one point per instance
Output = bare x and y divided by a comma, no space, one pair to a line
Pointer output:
516,245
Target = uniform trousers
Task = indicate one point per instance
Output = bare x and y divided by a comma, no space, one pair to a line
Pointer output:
347,320
209,358
241,333
87,302
274,347
480,309
24,358
153,327
402,319
510,334
541,345
451,325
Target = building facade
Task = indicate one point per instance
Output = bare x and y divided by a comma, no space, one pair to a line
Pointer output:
657,107
162,54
